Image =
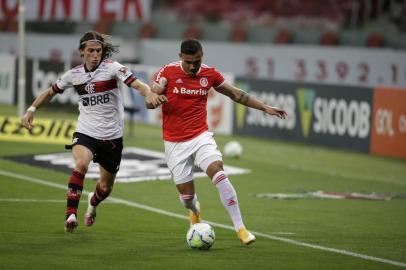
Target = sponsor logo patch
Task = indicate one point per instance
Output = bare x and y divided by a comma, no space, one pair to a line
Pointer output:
123,70
204,82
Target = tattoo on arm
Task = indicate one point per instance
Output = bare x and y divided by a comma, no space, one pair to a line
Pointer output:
243,99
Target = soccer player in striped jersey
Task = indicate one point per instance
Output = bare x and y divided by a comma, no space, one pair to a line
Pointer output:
99,132
187,140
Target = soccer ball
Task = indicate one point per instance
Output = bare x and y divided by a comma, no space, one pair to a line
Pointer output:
200,236
233,149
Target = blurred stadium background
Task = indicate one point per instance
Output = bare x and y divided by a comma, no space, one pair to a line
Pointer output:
337,67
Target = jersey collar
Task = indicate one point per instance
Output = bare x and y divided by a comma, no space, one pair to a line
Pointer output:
96,67
181,67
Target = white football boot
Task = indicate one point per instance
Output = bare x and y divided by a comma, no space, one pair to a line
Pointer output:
90,215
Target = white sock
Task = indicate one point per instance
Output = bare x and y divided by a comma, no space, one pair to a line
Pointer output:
189,201
228,197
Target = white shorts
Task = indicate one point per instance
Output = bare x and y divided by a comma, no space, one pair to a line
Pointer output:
181,157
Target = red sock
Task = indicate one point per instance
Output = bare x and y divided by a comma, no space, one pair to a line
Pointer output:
75,187
99,195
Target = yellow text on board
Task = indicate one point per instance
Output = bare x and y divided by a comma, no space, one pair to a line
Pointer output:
44,130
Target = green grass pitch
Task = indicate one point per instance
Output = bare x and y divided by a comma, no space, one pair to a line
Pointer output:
292,234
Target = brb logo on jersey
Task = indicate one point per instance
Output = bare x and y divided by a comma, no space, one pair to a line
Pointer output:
96,100
184,91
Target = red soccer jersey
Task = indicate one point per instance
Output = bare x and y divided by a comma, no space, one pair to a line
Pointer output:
184,115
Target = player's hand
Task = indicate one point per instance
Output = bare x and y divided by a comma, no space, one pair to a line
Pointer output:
276,111
26,120
153,100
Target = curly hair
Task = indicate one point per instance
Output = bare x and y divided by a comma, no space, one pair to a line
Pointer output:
108,48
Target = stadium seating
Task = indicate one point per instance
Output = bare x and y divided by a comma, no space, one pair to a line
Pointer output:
8,25
329,39
238,34
284,36
192,31
318,22
375,40
216,31
147,30
103,27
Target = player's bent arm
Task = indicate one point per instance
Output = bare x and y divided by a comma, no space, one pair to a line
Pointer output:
152,100
157,88
240,96
43,98
141,87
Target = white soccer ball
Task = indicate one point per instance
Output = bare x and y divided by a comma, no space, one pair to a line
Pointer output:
200,236
233,149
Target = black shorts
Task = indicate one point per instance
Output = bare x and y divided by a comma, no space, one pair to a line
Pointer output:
105,152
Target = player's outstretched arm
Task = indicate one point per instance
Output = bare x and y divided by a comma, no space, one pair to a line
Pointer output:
152,100
240,96
43,98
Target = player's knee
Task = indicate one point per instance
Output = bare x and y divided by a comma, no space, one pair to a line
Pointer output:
106,188
214,168
81,166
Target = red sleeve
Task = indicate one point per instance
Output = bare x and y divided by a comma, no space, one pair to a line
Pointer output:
160,74
218,79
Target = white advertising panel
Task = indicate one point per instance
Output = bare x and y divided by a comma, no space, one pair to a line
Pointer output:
340,65
7,71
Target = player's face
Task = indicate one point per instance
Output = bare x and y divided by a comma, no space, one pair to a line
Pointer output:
191,62
92,54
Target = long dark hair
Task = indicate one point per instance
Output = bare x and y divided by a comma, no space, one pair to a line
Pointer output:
108,48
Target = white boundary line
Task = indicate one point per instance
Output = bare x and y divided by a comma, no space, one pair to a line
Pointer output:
30,200
21,200
171,214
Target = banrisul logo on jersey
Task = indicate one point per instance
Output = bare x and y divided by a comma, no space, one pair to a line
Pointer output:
185,91
321,114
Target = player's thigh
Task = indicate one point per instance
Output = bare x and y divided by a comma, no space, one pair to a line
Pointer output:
82,155
179,158
83,149
207,152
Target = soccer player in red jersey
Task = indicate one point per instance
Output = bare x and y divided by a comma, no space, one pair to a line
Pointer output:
187,140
